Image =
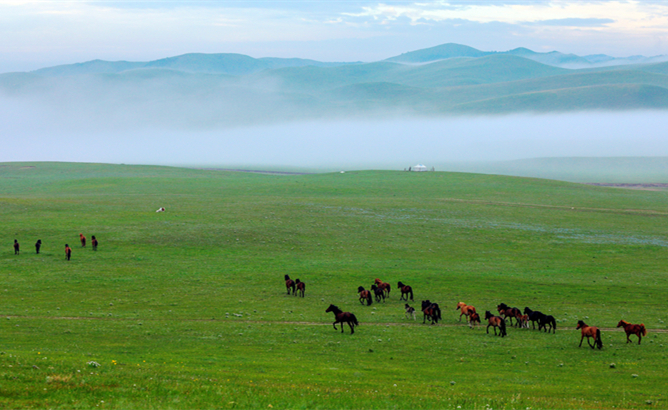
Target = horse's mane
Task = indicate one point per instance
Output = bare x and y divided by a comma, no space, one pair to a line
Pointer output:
623,323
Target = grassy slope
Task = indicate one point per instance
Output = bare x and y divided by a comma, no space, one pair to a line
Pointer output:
160,296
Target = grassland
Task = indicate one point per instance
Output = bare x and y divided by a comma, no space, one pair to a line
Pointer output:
187,308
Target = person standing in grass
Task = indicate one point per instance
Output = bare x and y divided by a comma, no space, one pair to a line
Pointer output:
68,251
16,247
38,245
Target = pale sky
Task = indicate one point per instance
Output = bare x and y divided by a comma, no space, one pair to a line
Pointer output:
36,34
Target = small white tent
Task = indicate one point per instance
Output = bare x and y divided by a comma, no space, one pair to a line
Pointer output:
419,168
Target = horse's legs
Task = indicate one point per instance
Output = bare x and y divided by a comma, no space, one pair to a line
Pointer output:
581,339
639,337
628,338
591,345
335,326
352,328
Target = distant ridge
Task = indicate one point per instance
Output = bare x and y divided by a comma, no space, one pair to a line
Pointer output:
228,63
442,52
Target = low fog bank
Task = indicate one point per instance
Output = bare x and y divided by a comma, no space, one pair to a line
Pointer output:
444,143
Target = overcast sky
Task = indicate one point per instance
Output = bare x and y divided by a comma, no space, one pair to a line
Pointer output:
42,33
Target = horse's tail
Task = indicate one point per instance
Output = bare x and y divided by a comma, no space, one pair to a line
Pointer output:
643,330
369,299
411,291
438,311
554,325
599,342
354,319
502,326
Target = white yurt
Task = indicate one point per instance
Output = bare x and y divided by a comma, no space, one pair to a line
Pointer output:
419,168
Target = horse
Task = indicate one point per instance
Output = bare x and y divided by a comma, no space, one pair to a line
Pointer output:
378,292
341,317
590,331
548,320
82,238
465,310
301,287
68,251
496,321
509,313
384,286
410,311
631,329
524,321
16,247
473,318
534,316
431,311
289,284
405,291
94,242
364,295
38,245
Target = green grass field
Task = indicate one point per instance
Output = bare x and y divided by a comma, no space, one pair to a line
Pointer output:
187,308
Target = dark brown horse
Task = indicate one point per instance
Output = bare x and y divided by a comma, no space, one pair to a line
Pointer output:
590,331
16,247
82,238
378,292
384,286
38,245
289,284
631,329
431,311
405,291
495,321
509,313
94,242
341,317
474,317
301,287
547,320
68,251
365,295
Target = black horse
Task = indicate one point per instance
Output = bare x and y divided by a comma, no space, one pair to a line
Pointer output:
365,295
301,287
16,247
38,245
290,284
341,317
548,320
380,294
405,291
431,311
534,316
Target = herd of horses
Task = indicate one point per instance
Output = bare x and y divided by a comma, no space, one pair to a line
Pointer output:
432,312
68,250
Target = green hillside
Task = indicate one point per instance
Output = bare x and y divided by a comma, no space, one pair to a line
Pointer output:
188,308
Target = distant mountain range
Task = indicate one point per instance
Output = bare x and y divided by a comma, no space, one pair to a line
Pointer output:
233,89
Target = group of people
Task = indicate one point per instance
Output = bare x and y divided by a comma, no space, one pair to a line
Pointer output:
68,250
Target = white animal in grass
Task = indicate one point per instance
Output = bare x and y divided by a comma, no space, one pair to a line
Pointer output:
410,311
160,210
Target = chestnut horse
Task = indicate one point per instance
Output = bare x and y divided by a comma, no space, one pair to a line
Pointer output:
385,287
82,238
301,287
590,331
289,284
631,329
466,310
364,295
431,311
378,292
341,317
405,291
495,321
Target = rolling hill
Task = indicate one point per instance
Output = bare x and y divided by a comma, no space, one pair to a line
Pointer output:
234,89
